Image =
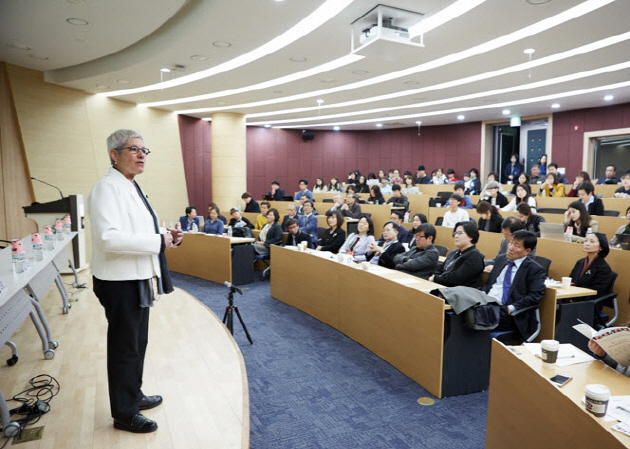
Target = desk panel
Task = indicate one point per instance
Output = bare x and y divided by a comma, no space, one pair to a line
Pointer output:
202,256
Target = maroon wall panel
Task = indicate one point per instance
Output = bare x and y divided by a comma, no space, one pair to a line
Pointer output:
194,135
567,143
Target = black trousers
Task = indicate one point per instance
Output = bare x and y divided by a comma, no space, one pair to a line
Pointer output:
127,336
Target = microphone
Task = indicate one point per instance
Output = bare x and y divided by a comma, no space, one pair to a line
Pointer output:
44,182
232,288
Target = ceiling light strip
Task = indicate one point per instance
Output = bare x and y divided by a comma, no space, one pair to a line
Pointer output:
449,13
554,96
544,25
490,93
317,18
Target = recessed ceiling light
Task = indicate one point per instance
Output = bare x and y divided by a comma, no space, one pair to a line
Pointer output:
77,22
39,57
267,126
555,105
537,2
418,122
336,128
165,70
101,86
379,125
18,46
529,51
360,72
297,59
608,97
506,112
461,117
328,80
222,44
123,81
199,58
320,101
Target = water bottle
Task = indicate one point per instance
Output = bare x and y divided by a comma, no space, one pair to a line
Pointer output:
38,250
229,231
67,224
407,217
18,256
589,231
59,229
194,228
49,242
178,226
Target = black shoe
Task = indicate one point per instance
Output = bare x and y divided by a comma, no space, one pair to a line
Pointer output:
148,402
136,424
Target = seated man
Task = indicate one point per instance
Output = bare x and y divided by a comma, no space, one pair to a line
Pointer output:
251,205
519,282
384,255
276,192
296,236
398,199
302,200
351,209
189,219
536,177
611,176
459,188
241,226
531,222
624,190
385,186
421,176
553,168
337,202
404,236
308,221
454,215
304,190
509,226
422,259
594,205
292,212
261,220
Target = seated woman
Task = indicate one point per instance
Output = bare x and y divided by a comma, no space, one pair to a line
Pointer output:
320,187
464,265
473,185
579,179
261,219
362,186
523,178
551,186
523,195
334,185
357,244
531,222
375,196
417,220
624,190
270,234
221,217
625,229
241,226
593,271
438,176
213,224
490,219
334,237
578,218
492,194
251,205
410,188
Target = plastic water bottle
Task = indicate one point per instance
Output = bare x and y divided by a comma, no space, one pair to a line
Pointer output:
229,231
67,224
49,242
589,231
59,229
18,256
407,217
38,250
194,228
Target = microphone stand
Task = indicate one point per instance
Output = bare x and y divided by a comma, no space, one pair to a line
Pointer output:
44,182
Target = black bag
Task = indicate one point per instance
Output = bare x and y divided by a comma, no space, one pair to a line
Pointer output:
242,232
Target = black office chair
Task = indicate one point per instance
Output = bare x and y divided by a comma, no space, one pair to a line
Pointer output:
552,210
608,300
514,337
433,202
327,200
444,196
266,259
611,213
442,250
543,262
439,221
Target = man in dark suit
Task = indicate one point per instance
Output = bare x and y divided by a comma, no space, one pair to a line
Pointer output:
422,259
518,282
384,255
187,221
276,192
292,212
296,236
611,176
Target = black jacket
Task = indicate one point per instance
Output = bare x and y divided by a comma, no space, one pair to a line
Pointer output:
387,258
425,180
274,235
533,224
401,201
461,268
252,206
299,238
244,220
596,207
596,277
419,262
278,195
502,201
495,223
332,241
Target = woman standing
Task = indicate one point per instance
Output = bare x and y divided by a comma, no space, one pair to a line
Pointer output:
543,164
358,244
127,255
334,237
270,234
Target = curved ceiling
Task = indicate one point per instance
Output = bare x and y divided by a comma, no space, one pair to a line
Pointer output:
463,69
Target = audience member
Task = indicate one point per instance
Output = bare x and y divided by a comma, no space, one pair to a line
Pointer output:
221,217
509,226
187,221
594,205
523,178
395,177
523,195
459,188
251,205
357,244
580,177
404,236
351,209
553,168
593,271
490,220
607,359
241,226
578,218
624,190
473,185
384,255
337,201
335,186
302,200
334,236
464,265
304,190
385,186
512,170
422,259
398,199
625,229
296,236
492,176
292,212
308,221
416,221
518,281
320,187
362,186
410,188
454,215
372,179
438,177
493,195
542,163
276,192
531,222
421,176
450,176
262,220
352,178
611,176
537,177
270,234
213,224
375,196
551,187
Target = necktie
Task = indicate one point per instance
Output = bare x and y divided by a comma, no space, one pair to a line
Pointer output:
507,282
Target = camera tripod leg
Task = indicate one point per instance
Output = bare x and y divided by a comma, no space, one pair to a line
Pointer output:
238,314
227,319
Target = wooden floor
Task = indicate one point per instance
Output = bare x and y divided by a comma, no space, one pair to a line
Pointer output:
192,361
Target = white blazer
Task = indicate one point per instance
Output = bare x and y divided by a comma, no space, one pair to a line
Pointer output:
124,243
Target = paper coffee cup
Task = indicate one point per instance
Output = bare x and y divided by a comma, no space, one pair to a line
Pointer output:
596,399
365,266
549,351
566,282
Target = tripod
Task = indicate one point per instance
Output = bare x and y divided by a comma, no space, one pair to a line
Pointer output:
228,317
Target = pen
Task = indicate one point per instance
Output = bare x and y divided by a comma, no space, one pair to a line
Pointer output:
566,356
622,408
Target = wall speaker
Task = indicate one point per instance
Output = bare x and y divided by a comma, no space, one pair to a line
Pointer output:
307,135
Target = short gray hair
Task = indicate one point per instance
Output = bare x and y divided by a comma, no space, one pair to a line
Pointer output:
118,139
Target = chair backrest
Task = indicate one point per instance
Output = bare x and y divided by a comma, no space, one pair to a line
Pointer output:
543,262
439,221
444,196
327,200
611,281
551,210
320,233
611,213
433,202
442,250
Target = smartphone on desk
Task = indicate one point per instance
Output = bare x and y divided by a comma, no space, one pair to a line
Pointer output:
560,380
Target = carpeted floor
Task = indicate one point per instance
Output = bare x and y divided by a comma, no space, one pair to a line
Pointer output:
313,387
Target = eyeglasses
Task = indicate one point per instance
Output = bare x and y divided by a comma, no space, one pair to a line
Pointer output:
458,233
419,236
134,150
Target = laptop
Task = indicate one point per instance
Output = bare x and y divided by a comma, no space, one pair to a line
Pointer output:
623,240
552,231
